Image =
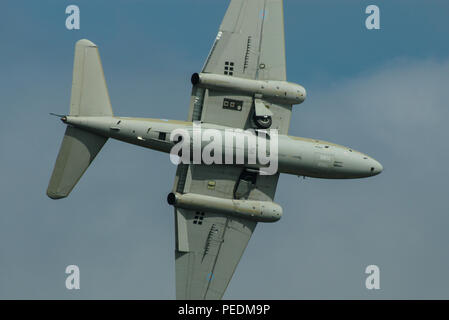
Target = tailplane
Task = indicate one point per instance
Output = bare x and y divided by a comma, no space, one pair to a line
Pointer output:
90,97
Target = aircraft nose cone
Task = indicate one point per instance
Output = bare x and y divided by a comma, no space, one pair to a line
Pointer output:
376,167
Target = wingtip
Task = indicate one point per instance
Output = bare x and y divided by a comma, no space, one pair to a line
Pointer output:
55,196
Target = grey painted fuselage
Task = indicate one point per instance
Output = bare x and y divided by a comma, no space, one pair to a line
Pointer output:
298,156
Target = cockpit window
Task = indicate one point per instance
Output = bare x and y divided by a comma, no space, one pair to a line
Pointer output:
162,136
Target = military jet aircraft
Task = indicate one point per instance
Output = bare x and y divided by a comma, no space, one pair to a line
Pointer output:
217,206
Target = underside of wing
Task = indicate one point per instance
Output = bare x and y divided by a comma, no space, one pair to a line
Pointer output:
249,45
215,245
209,245
250,41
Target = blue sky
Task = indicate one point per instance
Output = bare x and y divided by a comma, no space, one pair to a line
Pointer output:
383,92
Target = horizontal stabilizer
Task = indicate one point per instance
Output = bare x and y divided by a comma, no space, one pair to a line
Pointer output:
78,150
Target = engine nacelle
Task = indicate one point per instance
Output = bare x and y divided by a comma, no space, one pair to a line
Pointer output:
261,211
281,91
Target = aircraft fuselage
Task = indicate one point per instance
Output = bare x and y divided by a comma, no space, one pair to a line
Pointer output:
295,155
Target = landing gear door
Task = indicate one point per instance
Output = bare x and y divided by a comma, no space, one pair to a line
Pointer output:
261,109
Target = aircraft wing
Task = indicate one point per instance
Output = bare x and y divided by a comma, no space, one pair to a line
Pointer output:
209,245
249,44
251,35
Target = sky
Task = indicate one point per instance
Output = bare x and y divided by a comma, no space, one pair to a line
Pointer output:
383,92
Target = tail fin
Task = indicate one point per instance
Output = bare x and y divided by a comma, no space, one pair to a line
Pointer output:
90,95
89,98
